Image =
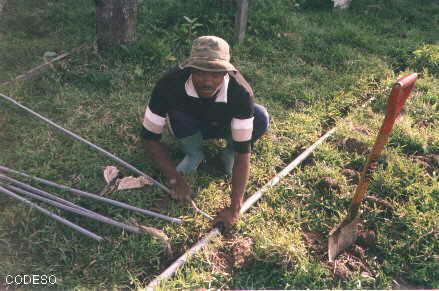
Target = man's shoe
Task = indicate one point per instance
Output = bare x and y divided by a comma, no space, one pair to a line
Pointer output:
192,147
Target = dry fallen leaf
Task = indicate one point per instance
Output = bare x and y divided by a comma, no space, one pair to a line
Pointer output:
133,183
110,173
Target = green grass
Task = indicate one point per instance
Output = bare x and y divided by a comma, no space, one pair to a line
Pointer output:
308,65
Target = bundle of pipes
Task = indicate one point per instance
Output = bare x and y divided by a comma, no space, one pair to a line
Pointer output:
51,214
31,192
100,150
92,196
12,188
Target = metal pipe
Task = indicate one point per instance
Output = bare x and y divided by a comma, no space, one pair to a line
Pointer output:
100,218
99,149
256,196
44,193
51,215
92,196
93,146
170,271
205,214
48,195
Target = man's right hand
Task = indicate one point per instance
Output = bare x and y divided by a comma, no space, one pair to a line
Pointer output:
180,190
177,184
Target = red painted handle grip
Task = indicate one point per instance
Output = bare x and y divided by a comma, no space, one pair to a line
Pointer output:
400,92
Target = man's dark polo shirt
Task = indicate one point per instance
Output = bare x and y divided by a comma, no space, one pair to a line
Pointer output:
232,107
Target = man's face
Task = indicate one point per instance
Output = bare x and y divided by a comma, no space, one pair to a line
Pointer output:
206,83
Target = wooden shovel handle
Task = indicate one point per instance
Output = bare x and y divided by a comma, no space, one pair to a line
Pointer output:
398,96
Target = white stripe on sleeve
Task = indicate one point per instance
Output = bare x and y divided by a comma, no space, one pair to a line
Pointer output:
242,129
153,122
242,123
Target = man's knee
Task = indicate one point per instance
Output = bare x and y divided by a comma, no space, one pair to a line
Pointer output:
261,122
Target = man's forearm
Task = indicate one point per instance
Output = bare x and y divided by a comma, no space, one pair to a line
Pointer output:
160,156
241,169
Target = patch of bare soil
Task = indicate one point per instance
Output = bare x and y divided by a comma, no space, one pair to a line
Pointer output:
351,262
314,242
422,124
162,203
352,175
348,263
429,161
233,253
361,129
353,145
328,183
400,283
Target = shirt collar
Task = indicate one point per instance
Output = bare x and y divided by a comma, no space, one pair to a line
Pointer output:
221,91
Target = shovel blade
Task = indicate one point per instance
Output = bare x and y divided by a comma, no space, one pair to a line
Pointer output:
342,236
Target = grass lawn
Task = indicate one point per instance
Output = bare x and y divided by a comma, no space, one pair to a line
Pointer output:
309,65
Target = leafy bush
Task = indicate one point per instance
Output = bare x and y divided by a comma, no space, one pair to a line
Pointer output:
426,57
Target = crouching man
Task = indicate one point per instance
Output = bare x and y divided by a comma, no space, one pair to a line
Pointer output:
205,97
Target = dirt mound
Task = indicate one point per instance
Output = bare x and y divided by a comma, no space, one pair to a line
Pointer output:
353,145
328,183
348,263
162,203
351,175
314,242
361,129
351,262
233,253
429,161
422,124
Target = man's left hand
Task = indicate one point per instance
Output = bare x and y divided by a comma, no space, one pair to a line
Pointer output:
228,217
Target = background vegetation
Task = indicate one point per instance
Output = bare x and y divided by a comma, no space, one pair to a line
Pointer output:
309,65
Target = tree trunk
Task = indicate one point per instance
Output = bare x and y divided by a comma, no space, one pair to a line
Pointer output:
241,20
2,5
115,22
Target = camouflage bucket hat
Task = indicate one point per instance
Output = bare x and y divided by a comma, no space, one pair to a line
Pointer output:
209,53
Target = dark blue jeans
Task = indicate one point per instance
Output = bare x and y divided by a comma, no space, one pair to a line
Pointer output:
184,125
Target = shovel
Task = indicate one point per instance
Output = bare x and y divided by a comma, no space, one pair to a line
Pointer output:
344,235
